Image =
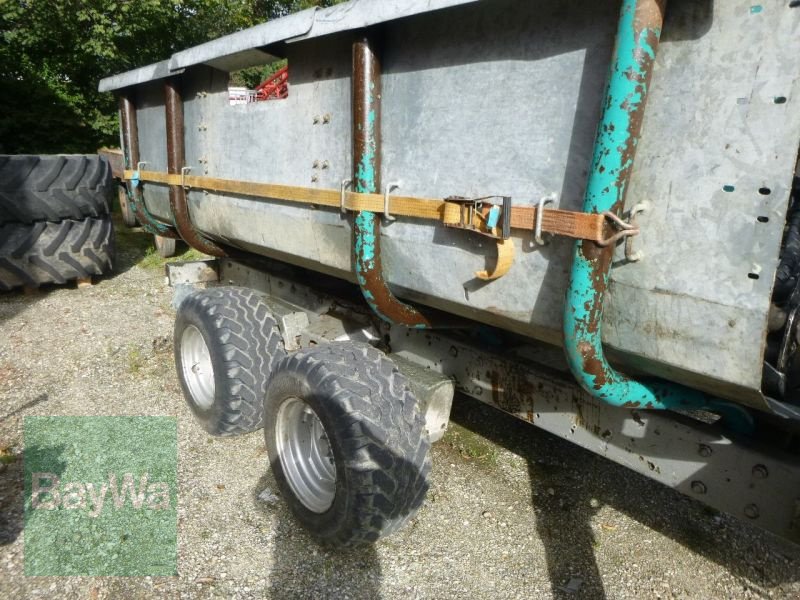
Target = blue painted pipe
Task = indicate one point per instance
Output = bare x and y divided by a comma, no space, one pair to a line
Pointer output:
615,146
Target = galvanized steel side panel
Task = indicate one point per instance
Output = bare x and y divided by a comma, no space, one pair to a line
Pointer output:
503,97
153,144
716,161
280,141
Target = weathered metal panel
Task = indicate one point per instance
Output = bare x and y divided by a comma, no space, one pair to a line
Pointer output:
138,76
153,144
243,48
278,141
503,97
364,13
722,114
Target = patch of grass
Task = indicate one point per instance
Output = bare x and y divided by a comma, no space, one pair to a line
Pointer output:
135,360
152,260
470,445
136,247
7,455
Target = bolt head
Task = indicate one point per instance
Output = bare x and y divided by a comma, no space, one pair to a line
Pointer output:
698,487
760,472
751,511
705,451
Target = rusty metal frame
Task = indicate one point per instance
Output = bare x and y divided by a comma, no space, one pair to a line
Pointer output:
367,179
130,149
176,159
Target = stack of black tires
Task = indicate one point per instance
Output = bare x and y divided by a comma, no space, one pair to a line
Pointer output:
55,219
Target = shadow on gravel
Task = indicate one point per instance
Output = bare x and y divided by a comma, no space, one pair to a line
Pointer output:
16,302
12,487
30,404
569,485
302,568
134,245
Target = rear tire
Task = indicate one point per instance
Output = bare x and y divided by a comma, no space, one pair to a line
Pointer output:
226,345
348,404
54,188
31,255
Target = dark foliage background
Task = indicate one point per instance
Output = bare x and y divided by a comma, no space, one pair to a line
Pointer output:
54,52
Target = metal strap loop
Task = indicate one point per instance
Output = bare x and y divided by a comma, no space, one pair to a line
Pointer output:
184,170
389,187
625,229
537,230
345,184
136,178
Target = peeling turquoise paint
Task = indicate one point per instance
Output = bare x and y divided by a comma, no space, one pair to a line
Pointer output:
146,220
366,224
612,160
755,9
365,242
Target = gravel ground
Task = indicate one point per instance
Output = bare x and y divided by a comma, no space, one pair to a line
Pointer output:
512,513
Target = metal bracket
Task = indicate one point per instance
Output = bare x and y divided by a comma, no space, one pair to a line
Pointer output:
345,184
473,219
630,254
184,170
389,187
537,231
135,179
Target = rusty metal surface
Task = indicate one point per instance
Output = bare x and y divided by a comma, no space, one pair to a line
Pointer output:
367,150
754,481
130,146
176,160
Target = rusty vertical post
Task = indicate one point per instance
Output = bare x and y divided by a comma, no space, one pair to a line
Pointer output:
367,179
176,159
618,134
130,151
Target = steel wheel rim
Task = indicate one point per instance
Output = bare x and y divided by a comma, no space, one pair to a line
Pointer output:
198,373
305,455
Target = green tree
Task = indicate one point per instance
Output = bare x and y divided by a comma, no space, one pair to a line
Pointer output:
54,52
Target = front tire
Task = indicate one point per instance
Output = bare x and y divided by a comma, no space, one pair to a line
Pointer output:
346,442
226,345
